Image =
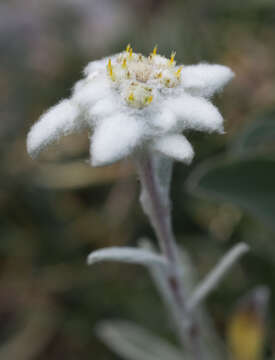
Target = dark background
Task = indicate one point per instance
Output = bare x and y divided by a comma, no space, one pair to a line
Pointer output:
54,211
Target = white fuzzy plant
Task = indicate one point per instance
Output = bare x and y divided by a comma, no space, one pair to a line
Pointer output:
139,106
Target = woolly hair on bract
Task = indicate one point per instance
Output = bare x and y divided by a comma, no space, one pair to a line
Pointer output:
131,103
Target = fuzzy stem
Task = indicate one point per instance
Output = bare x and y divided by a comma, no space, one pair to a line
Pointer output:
157,206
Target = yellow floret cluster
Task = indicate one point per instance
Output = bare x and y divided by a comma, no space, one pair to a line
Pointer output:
138,77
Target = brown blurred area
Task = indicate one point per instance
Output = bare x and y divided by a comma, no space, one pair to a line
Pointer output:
55,210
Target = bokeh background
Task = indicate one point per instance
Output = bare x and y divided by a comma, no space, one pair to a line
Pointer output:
55,210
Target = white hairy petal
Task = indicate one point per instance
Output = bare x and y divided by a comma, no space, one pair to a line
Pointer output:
61,119
79,85
86,95
127,255
105,107
95,66
115,138
205,79
165,120
196,113
175,146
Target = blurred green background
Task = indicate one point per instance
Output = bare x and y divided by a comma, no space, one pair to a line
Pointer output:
53,212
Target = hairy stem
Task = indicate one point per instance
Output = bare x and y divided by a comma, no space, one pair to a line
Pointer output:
156,205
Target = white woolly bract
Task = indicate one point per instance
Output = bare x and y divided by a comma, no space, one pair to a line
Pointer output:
105,107
90,92
196,113
205,79
131,103
175,146
127,255
165,121
59,120
115,138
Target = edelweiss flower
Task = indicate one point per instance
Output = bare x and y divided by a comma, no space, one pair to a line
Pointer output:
132,102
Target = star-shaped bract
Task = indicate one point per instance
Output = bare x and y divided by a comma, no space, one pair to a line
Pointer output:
135,103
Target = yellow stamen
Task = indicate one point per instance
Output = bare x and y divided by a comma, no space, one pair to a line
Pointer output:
130,53
131,97
128,48
148,99
159,75
124,64
178,72
109,65
110,70
155,50
172,58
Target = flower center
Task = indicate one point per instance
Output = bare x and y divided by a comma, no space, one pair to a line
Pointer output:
137,77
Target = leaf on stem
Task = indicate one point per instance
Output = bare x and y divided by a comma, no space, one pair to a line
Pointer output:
212,280
127,255
132,342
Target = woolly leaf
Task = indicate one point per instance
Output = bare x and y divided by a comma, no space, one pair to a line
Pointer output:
132,342
127,255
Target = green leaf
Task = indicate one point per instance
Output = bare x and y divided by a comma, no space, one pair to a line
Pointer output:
257,136
246,182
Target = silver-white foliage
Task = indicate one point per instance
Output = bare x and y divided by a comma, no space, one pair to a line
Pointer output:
132,342
126,255
160,278
214,277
